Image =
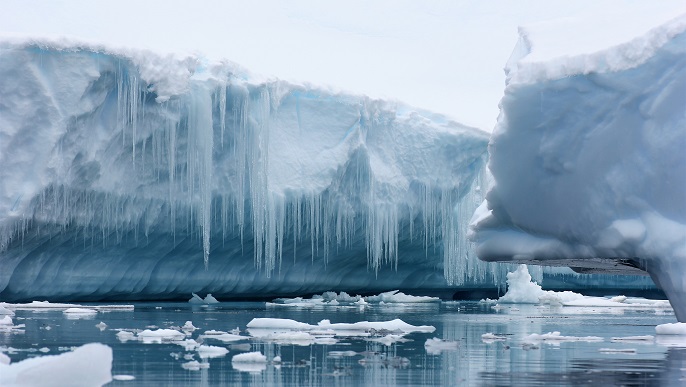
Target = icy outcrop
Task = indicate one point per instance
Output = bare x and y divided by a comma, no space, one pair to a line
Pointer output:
126,175
588,159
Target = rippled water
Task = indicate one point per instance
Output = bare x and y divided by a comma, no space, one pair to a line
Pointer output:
474,361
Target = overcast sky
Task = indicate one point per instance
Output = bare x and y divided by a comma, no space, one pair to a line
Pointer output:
444,56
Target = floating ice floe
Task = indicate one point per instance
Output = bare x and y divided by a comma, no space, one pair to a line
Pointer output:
5,311
522,290
4,359
43,305
630,351
435,346
396,296
556,337
188,327
88,365
102,326
7,325
210,351
223,336
671,329
343,299
80,313
261,327
634,339
160,335
123,377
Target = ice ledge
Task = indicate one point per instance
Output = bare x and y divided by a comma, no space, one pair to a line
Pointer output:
588,162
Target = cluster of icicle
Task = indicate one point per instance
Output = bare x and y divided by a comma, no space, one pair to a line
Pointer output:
182,146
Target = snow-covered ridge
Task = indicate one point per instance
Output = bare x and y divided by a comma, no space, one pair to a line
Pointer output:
588,162
539,54
128,152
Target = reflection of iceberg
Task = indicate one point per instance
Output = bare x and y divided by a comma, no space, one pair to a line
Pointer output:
588,159
249,362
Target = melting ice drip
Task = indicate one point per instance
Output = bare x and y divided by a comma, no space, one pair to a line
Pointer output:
283,166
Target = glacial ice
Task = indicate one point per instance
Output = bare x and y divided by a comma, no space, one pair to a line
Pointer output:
128,175
588,158
87,365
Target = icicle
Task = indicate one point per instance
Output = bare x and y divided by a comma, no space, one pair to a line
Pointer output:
200,149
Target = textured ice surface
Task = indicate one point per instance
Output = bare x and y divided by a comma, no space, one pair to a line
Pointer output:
588,158
129,175
522,290
88,365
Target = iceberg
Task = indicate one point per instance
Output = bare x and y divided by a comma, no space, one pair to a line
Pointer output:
129,175
587,157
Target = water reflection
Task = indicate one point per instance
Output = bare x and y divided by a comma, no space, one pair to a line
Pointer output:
461,356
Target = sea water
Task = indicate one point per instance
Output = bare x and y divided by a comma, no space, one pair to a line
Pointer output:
598,347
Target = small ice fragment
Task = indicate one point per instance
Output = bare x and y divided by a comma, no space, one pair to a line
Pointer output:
671,329
123,377
210,351
80,311
276,360
188,327
556,337
157,336
125,336
633,338
102,326
44,350
4,359
196,299
213,332
7,320
617,350
6,311
210,300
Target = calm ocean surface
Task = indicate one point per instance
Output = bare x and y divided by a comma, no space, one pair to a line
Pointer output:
352,361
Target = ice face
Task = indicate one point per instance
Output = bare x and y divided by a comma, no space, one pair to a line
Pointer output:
588,161
126,175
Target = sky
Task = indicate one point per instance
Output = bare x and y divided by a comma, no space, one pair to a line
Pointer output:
443,56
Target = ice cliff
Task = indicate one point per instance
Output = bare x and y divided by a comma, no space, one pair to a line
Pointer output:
588,157
129,175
